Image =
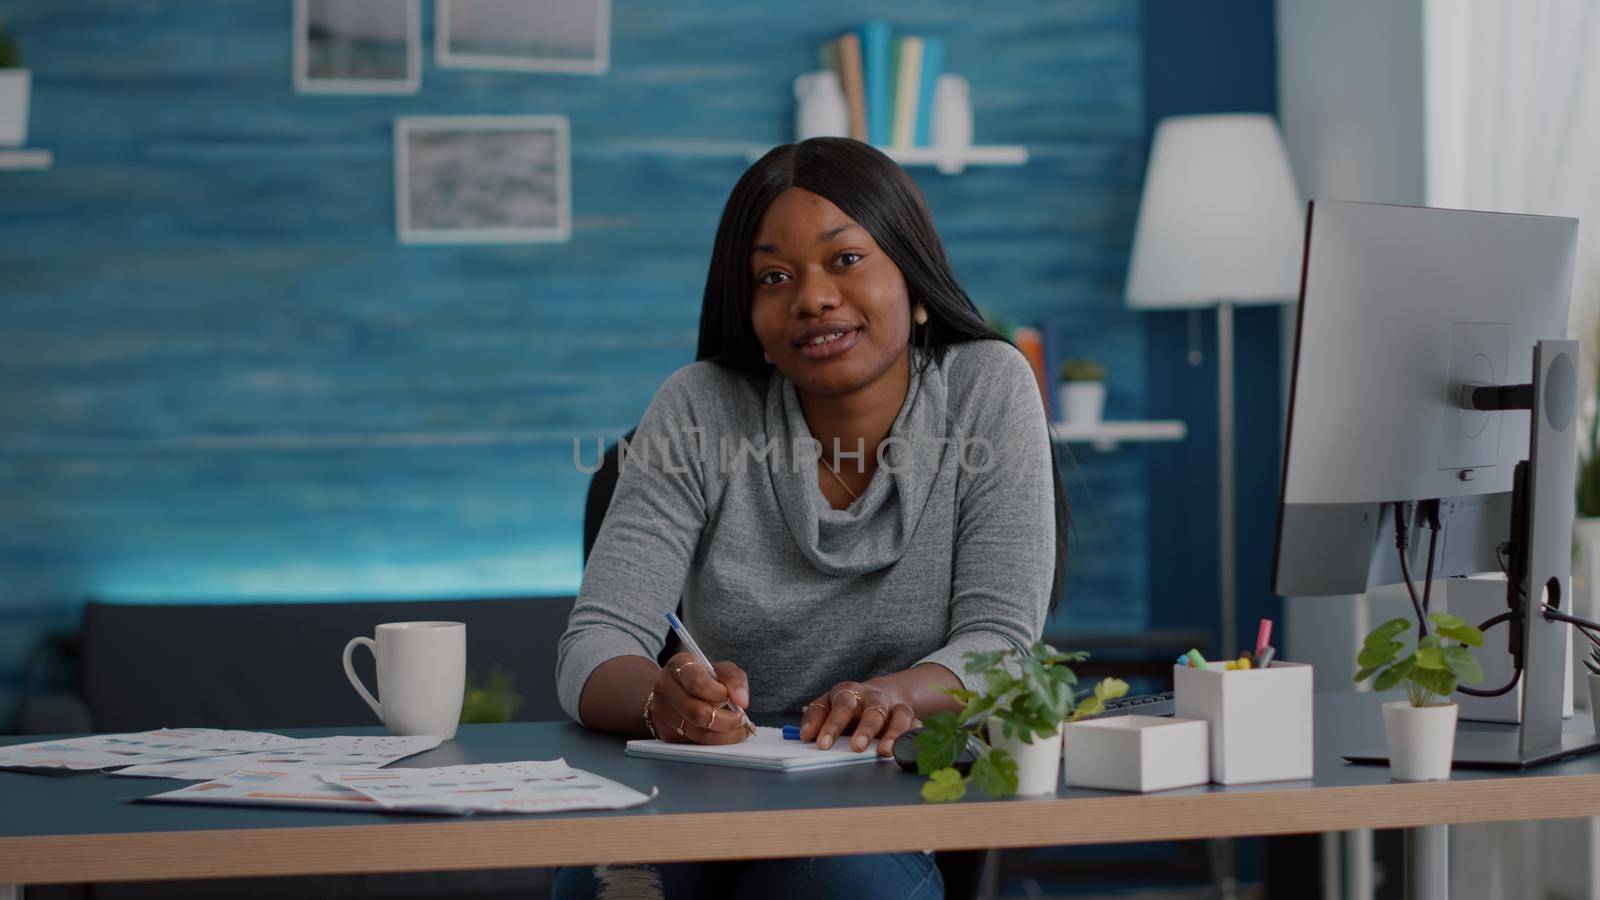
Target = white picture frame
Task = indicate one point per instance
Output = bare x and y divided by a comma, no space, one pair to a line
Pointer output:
308,58
516,193
563,36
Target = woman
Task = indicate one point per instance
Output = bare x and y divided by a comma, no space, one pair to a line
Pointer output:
851,488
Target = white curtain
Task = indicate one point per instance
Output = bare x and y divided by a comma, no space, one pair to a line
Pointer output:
1512,98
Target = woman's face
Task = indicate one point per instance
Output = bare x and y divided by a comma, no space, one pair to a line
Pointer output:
830,308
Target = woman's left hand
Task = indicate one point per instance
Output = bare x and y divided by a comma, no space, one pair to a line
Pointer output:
878,713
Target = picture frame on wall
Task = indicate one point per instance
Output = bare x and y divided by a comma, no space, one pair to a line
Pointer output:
482,179
357,46
567,36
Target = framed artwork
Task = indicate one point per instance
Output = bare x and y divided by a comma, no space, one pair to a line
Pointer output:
357,46
572,36
482,179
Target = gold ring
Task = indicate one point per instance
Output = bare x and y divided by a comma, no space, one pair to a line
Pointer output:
880,709
683,721
852,692
713,717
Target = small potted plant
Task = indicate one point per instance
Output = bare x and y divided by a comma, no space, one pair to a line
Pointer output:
1421,729
1592,663
1082,393
15,83
1028,695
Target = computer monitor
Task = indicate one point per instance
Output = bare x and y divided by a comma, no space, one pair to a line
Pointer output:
1405,314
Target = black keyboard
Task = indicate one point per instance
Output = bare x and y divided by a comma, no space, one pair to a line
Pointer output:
1162,704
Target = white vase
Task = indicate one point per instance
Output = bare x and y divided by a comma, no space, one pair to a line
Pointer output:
821,109
1421,740
951,129
1082,402
14,87
1594,700
1038,761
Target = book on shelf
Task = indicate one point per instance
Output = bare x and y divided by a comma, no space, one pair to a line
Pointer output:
875,49
850,77
908,83
932,62
1031,343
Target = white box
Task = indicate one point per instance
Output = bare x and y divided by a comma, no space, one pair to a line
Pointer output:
1137,753
1476,599
1260,719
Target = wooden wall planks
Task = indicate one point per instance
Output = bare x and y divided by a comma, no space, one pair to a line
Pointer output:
222,377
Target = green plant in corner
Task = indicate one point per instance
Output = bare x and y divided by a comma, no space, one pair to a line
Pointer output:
496,700
1082,370
1027,694
1431,671
10,52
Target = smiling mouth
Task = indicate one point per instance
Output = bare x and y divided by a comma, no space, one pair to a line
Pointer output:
829,343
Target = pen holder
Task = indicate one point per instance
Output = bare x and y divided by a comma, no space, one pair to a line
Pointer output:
1260,719
1136,753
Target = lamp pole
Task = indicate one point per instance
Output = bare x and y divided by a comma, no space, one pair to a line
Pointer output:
1227,599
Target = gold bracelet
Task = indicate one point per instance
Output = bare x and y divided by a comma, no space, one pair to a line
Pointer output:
649,723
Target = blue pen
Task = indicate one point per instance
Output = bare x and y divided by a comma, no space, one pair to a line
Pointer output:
791,732
700,657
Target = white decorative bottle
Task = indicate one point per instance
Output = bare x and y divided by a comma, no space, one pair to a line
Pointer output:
821,109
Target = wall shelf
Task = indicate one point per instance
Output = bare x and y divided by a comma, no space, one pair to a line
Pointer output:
1107,435
946,163
26,159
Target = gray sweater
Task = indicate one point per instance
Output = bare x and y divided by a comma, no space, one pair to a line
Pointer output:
949,549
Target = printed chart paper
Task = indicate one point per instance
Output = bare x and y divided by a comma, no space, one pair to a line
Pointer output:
290,786
516,787
102,751
343,752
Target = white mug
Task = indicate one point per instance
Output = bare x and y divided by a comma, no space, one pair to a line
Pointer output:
422,674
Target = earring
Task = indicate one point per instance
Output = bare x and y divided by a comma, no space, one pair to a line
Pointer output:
767,357
920,315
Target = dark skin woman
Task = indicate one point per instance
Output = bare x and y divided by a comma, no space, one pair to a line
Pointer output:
828,280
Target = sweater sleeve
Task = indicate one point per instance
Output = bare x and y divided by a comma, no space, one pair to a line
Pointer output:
1004,555
641,556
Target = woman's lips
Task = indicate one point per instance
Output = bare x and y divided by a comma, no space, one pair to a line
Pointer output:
828,349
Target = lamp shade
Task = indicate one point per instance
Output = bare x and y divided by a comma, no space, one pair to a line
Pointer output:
1220,219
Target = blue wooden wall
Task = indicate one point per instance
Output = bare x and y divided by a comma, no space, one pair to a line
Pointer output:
223,379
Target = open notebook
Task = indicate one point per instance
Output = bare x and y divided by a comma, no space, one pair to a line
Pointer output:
765,750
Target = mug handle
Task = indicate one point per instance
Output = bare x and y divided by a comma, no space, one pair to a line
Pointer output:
350,672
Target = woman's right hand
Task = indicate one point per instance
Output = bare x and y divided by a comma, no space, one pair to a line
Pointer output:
687,708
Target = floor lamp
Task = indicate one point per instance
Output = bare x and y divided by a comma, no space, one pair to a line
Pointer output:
1220,225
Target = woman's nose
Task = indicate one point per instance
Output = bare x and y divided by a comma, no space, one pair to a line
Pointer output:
816,295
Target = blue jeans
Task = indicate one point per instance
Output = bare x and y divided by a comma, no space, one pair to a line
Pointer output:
909,876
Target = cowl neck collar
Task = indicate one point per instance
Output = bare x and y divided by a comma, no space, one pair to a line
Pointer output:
874,531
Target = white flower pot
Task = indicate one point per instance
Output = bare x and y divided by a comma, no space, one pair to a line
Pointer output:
1038,762
1421,740
1594,700
14,87
1082,402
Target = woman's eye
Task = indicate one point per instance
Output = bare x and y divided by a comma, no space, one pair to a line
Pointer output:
847,253
763,279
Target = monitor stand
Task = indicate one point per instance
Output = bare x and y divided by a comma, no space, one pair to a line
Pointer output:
1540,568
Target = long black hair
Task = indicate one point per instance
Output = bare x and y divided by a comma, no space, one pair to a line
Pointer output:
877,194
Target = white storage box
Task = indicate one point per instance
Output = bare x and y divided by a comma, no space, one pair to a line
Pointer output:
1137,753
1260,719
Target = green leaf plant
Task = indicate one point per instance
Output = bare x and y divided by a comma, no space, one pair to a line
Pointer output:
1027,693
1433,668
10,54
